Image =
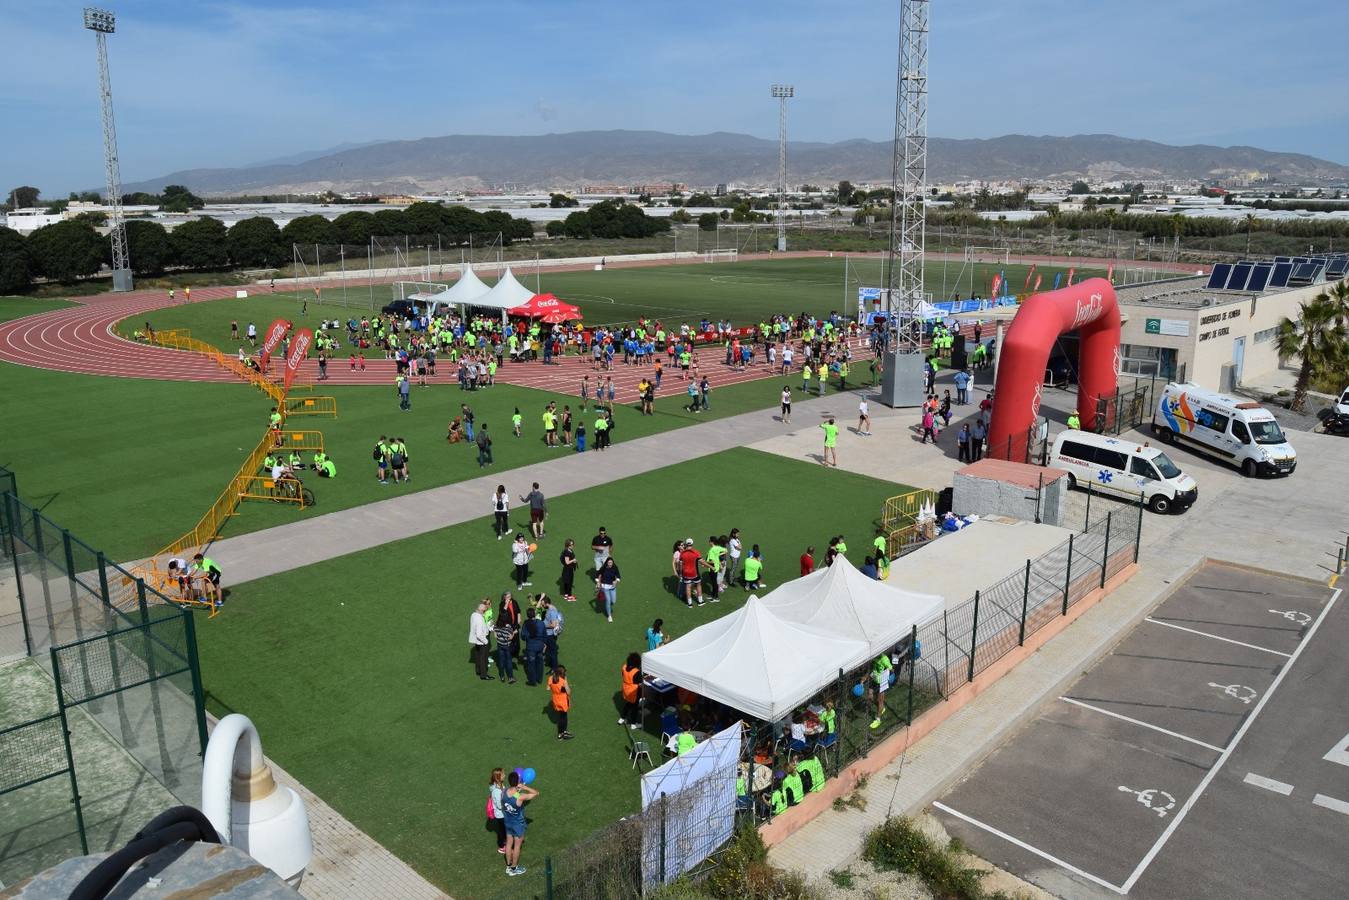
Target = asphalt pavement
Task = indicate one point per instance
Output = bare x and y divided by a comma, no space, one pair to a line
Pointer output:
1206,757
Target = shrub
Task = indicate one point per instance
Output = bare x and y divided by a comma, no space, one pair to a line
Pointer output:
900,845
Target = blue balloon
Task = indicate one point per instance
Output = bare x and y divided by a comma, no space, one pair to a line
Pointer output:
893,677
528,777
858,690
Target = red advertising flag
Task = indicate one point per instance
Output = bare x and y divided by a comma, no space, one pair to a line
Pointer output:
1071,273
1025,287
1037,283
1110,273
997,283
276,332
299,349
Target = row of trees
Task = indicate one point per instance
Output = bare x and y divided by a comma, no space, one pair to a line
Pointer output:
73,249
174,198
609,219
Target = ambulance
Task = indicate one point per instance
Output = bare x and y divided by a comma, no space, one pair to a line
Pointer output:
1231,429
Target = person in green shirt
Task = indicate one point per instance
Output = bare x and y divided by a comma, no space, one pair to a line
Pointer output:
880,675
295,460
275,419
843,376
805,378
327,469
715,551
830,442
754,569
268,462
601,432
319,459
549,428
516,421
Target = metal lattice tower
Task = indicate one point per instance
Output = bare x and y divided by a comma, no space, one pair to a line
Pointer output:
783,93
103,23
908,215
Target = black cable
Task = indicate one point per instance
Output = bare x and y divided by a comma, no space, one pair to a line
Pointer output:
181,823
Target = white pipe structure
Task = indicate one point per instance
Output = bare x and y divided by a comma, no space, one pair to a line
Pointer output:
248,809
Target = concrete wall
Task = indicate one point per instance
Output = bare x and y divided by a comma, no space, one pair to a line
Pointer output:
1213,331
989,497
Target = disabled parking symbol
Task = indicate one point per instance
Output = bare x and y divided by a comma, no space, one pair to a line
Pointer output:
1237,691
1295,616
1156,800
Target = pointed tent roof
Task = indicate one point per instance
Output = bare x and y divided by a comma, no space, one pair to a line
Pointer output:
840,601
754,661
507,293
467,289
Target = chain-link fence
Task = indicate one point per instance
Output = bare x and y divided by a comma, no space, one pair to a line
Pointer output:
103,724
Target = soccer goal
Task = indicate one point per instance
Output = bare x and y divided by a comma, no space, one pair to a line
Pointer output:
999,255
417,291
720,256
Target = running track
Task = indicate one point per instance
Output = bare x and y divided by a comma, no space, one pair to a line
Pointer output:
82,339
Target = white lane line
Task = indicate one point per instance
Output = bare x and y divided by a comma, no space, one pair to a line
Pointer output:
1339,753
1268,784
1142,724
1231,747
1217,637
1338,806
1024,846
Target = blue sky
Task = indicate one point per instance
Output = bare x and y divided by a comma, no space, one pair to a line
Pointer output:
220,84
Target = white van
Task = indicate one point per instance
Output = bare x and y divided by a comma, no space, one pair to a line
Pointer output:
1234,430
1118,466
1342,404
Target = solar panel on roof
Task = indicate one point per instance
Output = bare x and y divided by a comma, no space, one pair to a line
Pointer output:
1259,277
1279,259
1299,260
1221,272
1337,268
1305,273
1240,272
1279,277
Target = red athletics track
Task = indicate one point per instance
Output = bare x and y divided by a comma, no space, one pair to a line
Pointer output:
82,339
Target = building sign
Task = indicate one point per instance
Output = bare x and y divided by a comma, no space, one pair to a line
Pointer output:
1214,319
865,294
1177,327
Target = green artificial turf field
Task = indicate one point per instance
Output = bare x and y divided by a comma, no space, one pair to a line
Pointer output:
741,291
130,464
18,307
357,672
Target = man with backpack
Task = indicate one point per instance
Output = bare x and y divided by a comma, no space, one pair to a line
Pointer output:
484,442
398,459
381,454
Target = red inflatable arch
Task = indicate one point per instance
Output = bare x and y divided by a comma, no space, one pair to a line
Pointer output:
1089,308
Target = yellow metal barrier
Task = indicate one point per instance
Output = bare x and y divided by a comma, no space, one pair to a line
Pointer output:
904,508
300,441
311,406
281,490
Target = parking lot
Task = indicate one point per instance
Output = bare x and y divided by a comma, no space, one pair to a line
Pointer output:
1206,757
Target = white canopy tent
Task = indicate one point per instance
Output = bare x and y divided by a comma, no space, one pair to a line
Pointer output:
468,289
753,661
507,293
840,601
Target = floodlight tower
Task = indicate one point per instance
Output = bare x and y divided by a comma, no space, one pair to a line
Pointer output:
783,93
908,213
103,23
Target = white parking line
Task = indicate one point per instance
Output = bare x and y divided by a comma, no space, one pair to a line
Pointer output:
1217,637
1115,715
1027,847
1338,806
1268,784
1232,746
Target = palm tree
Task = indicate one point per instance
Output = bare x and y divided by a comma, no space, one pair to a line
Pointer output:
1317,339
1250,223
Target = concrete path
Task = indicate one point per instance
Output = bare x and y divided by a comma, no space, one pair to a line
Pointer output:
285,547
1290,525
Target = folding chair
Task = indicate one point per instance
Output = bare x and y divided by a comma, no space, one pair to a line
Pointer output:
638,750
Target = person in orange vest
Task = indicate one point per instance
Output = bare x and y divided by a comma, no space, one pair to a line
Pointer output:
557,686
632,687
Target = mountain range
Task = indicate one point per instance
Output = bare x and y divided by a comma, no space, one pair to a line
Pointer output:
570,160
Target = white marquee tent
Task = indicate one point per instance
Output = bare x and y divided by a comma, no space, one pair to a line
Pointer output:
468,289
841,601
507,293
755,661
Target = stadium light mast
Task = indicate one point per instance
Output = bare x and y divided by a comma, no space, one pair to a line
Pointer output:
103,23
903,384
783,93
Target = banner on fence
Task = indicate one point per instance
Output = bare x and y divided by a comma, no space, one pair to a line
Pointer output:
697,791
276,332
299,349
